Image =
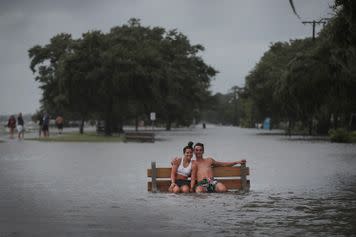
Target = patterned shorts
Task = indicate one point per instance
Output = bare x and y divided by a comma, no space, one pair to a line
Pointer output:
208,184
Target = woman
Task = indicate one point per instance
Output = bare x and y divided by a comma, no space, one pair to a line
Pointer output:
20,127
181,170
11,124
45,125
59,123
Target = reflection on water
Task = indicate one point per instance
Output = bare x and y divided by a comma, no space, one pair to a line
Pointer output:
298,188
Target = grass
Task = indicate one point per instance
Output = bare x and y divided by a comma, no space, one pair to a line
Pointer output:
77,137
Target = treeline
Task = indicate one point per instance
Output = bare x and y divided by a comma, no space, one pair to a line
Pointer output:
307,82
123,75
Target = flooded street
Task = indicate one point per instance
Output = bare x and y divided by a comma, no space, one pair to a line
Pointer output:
298,188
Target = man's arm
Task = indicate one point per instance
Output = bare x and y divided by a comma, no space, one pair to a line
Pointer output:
225,164
193,176
175,160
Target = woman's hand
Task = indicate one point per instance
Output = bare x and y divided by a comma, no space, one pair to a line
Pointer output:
172,186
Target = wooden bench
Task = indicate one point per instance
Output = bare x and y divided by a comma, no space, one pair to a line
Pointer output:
234,178
100,127
140,136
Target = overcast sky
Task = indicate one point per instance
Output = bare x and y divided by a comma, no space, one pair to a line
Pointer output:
235,33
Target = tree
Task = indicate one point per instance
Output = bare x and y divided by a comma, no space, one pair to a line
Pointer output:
262,81
123,75
44,64
305,78
79,74
183,81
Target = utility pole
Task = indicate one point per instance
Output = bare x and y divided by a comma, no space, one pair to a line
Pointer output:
235,106
314,23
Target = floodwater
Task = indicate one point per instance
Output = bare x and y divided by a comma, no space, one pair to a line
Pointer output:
299,187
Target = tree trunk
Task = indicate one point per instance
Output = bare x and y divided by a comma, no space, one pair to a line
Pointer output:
81,128
310,127
136,123
108,120
289,127
108,126
120,125
336,123
168,125
324,125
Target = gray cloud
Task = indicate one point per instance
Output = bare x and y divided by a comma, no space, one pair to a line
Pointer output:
235,33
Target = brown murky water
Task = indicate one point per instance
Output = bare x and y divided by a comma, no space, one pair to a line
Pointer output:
298,188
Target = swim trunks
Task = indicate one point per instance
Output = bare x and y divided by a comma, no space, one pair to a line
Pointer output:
182,182
208,184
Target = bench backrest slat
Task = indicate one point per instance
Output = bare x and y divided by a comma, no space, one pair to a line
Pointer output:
218,172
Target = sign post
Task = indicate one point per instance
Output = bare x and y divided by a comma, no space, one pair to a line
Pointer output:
153,118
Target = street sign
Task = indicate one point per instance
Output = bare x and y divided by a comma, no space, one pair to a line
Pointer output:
153,116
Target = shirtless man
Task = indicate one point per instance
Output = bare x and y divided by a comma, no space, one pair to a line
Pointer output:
202,172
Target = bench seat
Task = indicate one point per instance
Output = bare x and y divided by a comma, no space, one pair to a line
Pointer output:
140,136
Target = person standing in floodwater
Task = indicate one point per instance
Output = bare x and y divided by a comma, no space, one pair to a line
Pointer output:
11,124
59,124
40,123
20,127
45,125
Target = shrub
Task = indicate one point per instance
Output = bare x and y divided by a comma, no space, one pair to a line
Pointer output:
353,136
339,135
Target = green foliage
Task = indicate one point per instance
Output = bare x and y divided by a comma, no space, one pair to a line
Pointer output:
353,136
221,110
340,135
45,62
307,80
266,85
123,75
